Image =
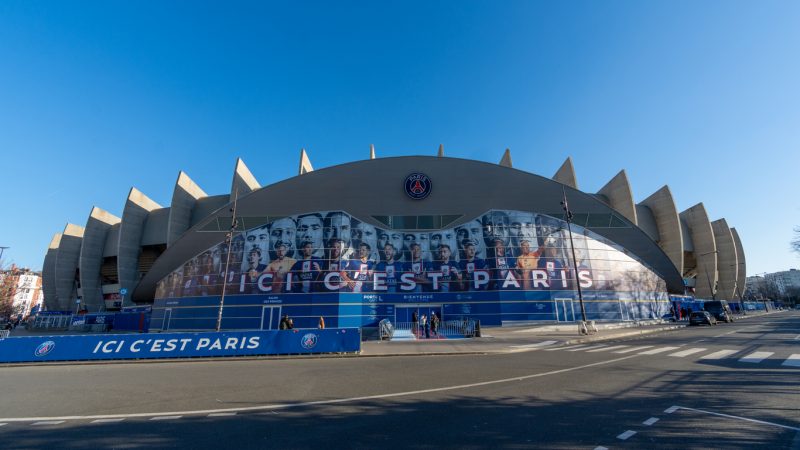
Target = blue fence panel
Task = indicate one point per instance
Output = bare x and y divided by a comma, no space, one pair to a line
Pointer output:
178,345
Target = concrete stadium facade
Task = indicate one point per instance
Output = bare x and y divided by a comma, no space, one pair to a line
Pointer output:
633,256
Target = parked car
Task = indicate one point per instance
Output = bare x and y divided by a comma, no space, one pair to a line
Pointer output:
702,317
720,310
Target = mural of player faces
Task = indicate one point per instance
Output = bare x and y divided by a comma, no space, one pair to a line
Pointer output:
282,232
310,228
257,238
521,227
495,226
367,234
338,229
471,232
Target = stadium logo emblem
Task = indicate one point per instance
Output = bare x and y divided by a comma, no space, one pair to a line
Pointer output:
44,348
309,341
418,185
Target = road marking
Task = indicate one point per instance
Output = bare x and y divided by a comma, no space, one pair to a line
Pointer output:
608,348
756,357
633,349
165,417
685,353
108,420
725,334
624,436
336,401
658,350
720,354
566,348
1,424
764,422
223,414
797,338
48,422
538,344
792,361
600,447
650,421
672,409
587,348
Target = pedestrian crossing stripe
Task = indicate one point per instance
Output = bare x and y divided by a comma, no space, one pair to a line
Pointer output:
756,357
656,351
685,353
720,354
792,361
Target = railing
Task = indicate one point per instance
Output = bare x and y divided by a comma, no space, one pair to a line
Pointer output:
457,328
385,329
61,322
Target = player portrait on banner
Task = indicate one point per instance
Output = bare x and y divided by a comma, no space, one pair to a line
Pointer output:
338,229
282,233
306,271
495,226
368,234
471,233
522,226
256,238
310,228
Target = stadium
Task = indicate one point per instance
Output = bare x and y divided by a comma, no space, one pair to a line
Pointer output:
395,238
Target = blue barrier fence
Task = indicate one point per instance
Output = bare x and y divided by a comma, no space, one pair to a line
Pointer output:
178,345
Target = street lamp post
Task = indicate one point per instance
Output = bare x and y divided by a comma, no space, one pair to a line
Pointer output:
568,218
229,238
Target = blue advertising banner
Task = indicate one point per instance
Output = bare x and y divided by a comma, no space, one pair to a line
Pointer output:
178,345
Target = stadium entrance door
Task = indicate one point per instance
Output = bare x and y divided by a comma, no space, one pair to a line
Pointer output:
270,317
402,314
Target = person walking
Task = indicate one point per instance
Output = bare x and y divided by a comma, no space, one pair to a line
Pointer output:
321,325
414,323
426,326
435,324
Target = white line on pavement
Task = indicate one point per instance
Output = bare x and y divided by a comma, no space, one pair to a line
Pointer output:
1,424
624,436
633,349
613,347
600,447
725,334
756,357
650,421
538,344
223,414
165,417
326,402
792,361
672,409
48,422
108,420
720,354
566,348
658,350
738,417
587,348
685,353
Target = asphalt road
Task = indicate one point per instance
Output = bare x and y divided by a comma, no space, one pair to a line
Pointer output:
728,386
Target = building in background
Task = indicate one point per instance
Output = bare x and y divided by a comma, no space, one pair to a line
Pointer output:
20,292
468,239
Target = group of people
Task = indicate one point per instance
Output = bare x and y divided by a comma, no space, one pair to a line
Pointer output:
287,323
425,326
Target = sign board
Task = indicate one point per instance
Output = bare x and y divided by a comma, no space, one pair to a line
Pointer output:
178,345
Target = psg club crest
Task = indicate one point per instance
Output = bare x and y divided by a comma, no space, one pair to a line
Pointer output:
418,185
44,348
309,341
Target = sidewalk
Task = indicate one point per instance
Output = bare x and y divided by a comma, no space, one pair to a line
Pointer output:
522,338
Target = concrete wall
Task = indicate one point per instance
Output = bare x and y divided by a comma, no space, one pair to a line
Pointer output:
727,266
665,213
705,250
134,216
184,197
566,174
741,271
49,273
156,225
91,258
619,195
69,252
243,181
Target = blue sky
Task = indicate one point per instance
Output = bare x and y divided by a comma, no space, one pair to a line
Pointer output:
96,97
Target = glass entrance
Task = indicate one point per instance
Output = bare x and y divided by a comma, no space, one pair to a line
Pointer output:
270,317
565,311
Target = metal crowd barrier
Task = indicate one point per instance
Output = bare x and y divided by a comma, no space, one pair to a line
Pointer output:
449,328
386,329
4,334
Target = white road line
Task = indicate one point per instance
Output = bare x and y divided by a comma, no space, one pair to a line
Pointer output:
108,420
725,334
624,436
538,344
165,417
566,348
756,357
650,421
738,417
1,424
633,349
48,422
792,361
587,348
672,409
656,351
797,338
327,402
613,347
600,447
720,354
224,414
685,353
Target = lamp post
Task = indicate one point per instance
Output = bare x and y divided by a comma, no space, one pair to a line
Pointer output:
229,238
568,218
